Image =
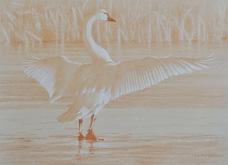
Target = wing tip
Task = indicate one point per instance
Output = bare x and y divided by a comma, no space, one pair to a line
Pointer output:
29,64
205,61
210,57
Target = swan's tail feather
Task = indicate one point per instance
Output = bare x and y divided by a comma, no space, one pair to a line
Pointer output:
70,115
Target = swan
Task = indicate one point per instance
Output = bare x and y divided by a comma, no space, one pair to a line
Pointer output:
93,85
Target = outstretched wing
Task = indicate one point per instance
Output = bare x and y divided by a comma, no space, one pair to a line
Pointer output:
130,76
54,74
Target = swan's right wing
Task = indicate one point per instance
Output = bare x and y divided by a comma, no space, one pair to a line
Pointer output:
54,74
130,76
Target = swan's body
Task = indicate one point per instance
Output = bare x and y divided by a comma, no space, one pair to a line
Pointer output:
93,85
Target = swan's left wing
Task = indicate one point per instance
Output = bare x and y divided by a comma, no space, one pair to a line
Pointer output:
130,76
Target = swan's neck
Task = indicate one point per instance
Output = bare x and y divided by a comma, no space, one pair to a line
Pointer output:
97,52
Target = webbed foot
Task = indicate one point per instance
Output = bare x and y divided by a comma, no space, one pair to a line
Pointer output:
91,136
81,137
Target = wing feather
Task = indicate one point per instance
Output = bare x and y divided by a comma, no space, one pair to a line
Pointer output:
54,74
61,77
140,74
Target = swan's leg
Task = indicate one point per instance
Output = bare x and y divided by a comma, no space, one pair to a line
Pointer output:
90,135
80,136
93,119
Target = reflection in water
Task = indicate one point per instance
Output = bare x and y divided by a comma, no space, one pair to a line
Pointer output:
134,149
181,120
91,147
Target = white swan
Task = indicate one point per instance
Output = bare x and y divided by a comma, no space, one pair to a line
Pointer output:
94,85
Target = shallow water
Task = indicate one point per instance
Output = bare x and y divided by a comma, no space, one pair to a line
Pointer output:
182,120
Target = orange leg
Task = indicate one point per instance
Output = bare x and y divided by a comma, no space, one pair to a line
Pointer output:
93,119
80,135
90,135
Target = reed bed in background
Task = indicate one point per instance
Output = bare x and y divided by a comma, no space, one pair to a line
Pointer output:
137,20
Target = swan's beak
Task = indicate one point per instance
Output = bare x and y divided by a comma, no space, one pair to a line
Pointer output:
110,19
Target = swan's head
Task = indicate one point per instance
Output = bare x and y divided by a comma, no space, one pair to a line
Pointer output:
102,15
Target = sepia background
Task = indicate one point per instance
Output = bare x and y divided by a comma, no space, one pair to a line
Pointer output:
182,120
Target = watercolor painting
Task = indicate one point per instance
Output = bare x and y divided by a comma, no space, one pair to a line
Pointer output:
113,82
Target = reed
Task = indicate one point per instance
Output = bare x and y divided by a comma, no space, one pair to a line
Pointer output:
40,21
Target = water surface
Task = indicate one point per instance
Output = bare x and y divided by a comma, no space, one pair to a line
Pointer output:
182,120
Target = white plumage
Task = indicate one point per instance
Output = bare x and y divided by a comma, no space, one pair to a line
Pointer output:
93,85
